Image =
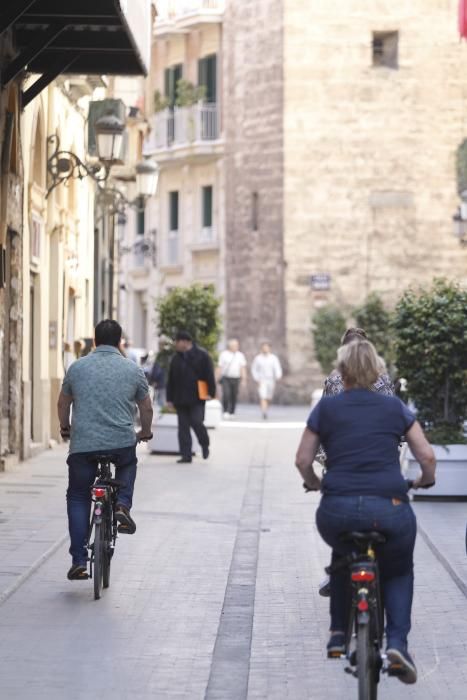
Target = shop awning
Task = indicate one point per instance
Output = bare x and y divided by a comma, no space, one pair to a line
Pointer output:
101,37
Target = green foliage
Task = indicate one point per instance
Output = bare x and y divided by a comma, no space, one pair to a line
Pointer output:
376,322
187,94
160,102
328,327
194,309
431,353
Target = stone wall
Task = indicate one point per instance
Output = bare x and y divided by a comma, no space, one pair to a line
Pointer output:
369,181
253,124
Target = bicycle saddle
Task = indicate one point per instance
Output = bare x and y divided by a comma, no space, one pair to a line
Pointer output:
363,537
105,458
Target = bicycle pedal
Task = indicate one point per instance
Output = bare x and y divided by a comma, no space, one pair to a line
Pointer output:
335,655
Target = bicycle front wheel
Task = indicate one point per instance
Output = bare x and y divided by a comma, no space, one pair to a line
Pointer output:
367,686
99,558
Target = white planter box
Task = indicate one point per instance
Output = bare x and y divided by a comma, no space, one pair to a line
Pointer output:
165,435
451,471
213,414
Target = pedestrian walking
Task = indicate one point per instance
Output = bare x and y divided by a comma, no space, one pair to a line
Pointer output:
155,375
190,383
232,372
266,371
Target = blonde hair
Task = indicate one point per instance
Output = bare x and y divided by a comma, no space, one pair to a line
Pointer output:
358,364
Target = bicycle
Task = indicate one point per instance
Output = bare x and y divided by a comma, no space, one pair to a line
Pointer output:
366,614
103,523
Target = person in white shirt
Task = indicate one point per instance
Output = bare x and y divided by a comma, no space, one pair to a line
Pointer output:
266,370
231,372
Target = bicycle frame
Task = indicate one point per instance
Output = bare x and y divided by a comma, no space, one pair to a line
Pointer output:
104,495
366,606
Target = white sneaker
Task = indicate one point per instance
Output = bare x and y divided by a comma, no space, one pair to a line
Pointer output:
226,416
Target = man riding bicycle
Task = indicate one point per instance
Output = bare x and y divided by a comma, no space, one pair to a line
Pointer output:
364,490
103,388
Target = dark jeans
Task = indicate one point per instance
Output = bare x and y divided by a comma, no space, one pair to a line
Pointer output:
396,520
191,417
229,394
82,468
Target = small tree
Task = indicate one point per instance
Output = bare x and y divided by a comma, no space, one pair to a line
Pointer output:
376,322
194,309
187,94
160,101
431,353
328,326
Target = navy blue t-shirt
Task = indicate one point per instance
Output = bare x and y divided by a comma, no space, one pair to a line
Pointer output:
360,431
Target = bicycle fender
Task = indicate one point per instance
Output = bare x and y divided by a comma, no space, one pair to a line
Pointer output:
363,618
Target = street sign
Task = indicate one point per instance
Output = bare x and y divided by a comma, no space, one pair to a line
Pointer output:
320,281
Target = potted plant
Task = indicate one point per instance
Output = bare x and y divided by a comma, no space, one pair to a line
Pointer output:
431,354
165,433
196,310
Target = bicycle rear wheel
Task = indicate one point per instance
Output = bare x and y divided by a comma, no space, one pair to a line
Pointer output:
107,552
366,671
99,558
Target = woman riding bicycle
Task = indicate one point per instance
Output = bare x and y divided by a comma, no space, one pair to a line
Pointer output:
363,489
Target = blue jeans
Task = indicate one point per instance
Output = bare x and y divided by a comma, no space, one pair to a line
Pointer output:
82,468
396,520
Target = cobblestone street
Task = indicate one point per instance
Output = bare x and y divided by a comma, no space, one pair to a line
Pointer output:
216,594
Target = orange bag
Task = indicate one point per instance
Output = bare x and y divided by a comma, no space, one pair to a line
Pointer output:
202,390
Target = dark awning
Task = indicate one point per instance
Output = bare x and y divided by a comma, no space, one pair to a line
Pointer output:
110,37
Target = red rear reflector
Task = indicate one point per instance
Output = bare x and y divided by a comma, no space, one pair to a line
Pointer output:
99,493
363,576
362,605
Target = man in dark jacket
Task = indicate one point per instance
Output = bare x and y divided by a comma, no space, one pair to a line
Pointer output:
190,365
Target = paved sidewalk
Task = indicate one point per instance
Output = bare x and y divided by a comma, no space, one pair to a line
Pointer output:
215,596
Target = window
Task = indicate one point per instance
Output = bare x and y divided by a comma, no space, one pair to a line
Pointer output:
173,229
207,76
254,211
140,217
386,49
207,206
171,77
173,211
207,233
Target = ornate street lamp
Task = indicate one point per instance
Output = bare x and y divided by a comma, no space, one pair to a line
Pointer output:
65,165
109,138
147,177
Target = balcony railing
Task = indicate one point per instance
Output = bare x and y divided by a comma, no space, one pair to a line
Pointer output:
183,126
172,9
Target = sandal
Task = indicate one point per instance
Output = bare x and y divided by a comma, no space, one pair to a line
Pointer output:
78,572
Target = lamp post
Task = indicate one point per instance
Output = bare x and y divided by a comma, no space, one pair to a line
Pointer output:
66,165
147,177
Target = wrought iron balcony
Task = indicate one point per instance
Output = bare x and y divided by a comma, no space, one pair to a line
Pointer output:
184,131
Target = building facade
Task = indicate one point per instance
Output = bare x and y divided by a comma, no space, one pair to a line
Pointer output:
47,246
58,244
11,247
186,137
342,123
